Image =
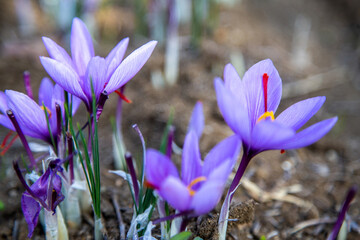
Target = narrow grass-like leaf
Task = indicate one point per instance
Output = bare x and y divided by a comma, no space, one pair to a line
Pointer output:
181,236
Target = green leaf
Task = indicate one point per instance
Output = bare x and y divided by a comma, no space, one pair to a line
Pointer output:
262,237
2,205
181,236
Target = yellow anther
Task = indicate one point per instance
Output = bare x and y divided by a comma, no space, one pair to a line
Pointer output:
193,182
266,115
47,110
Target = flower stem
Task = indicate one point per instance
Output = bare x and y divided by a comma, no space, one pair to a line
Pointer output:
224,214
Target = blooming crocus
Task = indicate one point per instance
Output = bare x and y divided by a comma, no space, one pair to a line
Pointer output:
45,193
200,186
78,73
31,115
248,107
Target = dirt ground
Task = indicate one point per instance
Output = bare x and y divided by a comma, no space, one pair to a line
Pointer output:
296,195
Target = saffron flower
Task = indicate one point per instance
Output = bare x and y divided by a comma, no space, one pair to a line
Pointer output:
45,193
201,184
31,115
76,73
248,107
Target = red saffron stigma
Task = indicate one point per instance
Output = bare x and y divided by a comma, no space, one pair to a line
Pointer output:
265,79
6,139
123,97
282,151
9,145
149,185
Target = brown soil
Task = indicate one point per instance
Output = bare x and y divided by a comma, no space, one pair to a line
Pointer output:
321,173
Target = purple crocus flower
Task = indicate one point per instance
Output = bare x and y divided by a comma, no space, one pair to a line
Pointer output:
76,73
30,115
44,192
200,186
248,107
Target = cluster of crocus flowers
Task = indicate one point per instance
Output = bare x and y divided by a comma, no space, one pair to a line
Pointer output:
30,115
83,71
201,184
248,107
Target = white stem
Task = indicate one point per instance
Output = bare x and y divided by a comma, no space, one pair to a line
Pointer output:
97,228
51,225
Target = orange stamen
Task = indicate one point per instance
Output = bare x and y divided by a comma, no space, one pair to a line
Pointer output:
123,97
266,115
47,110
193,182
9,145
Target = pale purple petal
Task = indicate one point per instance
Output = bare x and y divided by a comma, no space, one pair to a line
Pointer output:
207,197
175,193
46,92
115,57
311,134
197,121
232,80
31,210
82,49
29,115
268,135
191,159
56,52
58,97
298,114
158,167
95,75
233,112
228,148
254,93
130,66
5,121
66,77
75,103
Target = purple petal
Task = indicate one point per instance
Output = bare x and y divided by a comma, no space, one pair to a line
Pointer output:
57,53
254,94
29,115
191,159
82,49
311,134
5,121
158,167
197,121
58,97
228,148
233,112
175,193
75,103
299,113
207,197
270,135
95,75
115,57
130,66
31,210
46,92
232,79
66,77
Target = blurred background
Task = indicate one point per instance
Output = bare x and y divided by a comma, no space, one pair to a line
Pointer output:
314,44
